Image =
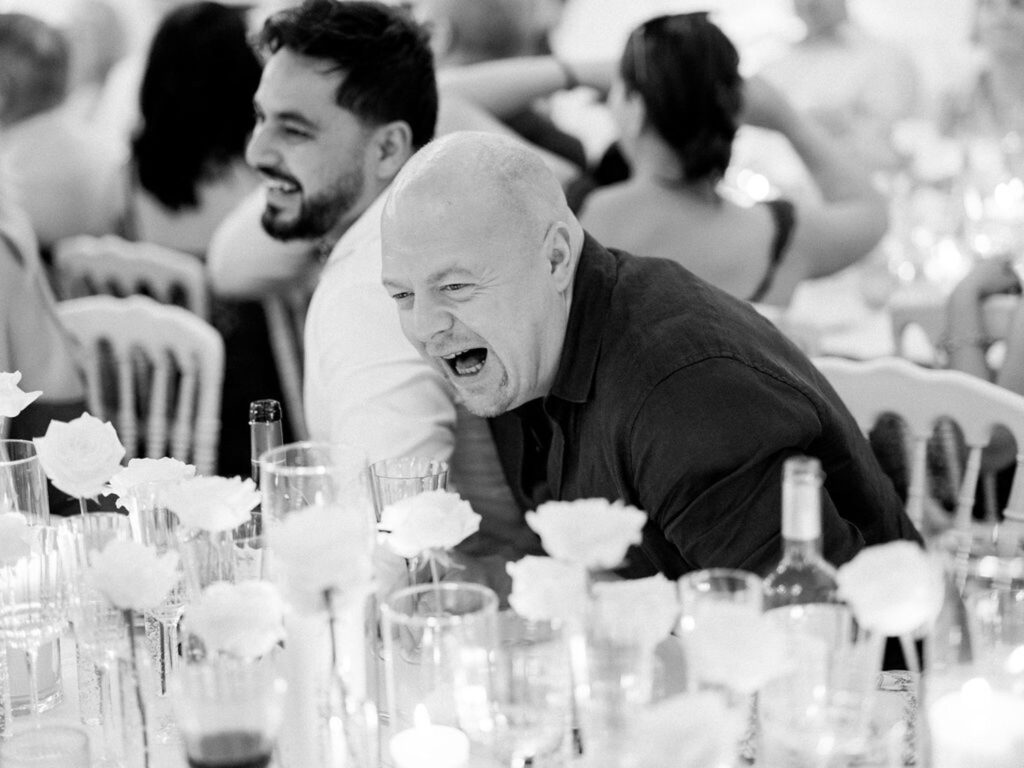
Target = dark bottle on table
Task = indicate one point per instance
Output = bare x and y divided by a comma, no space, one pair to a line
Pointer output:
265,431
230,749
803,576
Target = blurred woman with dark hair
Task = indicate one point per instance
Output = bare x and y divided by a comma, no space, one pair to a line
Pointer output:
678,101
196,109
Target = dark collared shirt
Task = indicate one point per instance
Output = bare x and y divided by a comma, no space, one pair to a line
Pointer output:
684,402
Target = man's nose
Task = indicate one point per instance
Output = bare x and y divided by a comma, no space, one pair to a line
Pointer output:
259,151
429,319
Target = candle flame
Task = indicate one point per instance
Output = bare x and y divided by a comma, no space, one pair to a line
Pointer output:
420,716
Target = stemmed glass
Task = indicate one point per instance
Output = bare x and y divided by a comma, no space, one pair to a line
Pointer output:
99,636
33,602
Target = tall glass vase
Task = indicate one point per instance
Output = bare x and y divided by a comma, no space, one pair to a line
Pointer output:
293,478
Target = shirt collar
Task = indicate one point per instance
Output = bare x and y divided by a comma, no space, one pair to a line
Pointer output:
591,299
366,227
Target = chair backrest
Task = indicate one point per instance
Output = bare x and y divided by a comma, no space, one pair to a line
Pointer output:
921,397
286,321
169,366
112,265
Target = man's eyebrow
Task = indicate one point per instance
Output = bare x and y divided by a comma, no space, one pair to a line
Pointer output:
446,273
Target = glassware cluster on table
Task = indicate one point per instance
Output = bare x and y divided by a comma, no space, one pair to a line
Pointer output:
429,672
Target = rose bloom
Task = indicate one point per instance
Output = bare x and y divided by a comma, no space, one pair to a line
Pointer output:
212,503
323,548
639,611
243,620
593,532
12,400
545,589
429,520
143,472
892,588
133,576
80,456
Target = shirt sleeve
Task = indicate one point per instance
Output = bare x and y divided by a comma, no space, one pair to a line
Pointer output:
708,447
365,383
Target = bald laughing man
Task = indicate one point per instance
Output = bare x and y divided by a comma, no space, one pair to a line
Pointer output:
609,375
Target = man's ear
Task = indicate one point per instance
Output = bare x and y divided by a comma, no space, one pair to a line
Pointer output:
391,145
561,256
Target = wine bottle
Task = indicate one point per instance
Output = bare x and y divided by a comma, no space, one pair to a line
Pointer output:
264,431
803,575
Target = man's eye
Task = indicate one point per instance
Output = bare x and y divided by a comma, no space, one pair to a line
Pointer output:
401,295
455,287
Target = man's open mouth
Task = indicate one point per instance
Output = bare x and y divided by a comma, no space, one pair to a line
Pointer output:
468,362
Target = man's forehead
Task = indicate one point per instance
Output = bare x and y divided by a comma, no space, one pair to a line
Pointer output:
290,78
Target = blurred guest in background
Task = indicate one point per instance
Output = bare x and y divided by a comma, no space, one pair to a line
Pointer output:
612,376
63,173
855,85
32,339
678,101
188,155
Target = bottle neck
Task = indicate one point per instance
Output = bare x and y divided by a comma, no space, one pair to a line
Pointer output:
801,550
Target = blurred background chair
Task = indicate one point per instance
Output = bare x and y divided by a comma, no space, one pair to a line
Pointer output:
169,368
921,397
112,265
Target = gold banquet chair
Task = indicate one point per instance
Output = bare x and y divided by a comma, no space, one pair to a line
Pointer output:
109,264
921,397
169,369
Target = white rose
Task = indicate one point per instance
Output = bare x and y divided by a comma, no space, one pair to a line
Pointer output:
14,537
143,472
735,646
12,400
892,588
244,619
212,503
592,532
429,520
639,611
80,456
323,548
133,576
547,589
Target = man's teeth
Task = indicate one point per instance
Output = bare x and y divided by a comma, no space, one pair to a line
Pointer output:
281,186
467,362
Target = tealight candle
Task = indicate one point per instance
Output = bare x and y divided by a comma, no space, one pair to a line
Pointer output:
977,727
429,746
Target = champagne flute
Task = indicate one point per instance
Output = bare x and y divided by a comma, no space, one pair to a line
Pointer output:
33,602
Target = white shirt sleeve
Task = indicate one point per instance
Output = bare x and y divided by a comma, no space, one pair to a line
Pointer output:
365,383
244,261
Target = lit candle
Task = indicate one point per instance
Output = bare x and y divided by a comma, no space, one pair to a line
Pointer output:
977,727
429,746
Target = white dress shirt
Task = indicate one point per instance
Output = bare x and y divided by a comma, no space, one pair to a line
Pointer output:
365,383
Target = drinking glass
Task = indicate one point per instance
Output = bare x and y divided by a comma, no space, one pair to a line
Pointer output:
974,690
53,745
98,635
248,542
719,629
817,712
229,711
405,476
33,602
22,482
436,637
521,712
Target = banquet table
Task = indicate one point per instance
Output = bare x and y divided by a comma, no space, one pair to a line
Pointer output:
895,704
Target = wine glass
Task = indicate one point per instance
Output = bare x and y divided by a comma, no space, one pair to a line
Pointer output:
33,601
229,710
